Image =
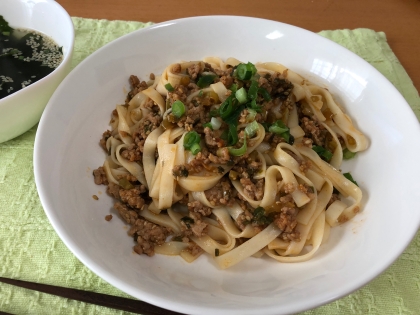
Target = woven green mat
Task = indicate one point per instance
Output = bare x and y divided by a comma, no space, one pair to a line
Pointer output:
31,250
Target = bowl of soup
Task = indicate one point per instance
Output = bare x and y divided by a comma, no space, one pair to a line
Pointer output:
36,45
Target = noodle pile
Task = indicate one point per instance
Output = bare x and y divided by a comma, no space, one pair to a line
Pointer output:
232,159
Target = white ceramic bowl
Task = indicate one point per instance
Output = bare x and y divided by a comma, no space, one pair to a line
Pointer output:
22,110
67,150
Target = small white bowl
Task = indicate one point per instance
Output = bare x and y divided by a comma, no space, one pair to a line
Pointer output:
23,109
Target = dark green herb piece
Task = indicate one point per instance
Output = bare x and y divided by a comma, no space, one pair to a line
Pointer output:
177,238
322,152
188,221
169,87
233,88
347,154
254,106
232,136
260,217
208,125
216,252
350,178
205,81
253,90
264,94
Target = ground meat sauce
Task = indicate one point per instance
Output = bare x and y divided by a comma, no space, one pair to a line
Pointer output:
132,197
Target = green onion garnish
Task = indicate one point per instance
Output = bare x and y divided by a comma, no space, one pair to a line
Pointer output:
226,108
253,105
205,81
253,90
216,252
178,109
322,152
233,88
264,94
191,138
251,129
243,73
195,148
280,129
266,126
240,151
251,115
241,95
232,137
169,87
350,178
208,125
347,154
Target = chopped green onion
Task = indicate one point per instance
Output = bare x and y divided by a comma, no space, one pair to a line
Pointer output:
205,81
241,95
216,252
252,128
243,73
215,123
195,148
347,154
240,151
169,87
178,109
124,183
200,94
191,138
6,33
208,125
350,178
253,90
253,105
214,113
280,129
233,88
251,115
232,137
226,108
322,152
264,94
234,116
266,126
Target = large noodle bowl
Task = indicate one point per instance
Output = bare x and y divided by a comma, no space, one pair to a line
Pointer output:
232,159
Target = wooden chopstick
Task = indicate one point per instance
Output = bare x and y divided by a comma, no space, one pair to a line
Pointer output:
119,303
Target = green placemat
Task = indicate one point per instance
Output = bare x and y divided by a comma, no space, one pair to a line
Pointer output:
31,250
